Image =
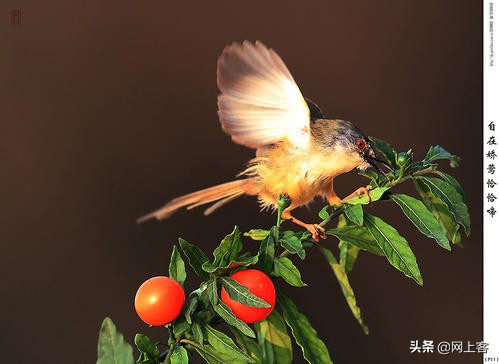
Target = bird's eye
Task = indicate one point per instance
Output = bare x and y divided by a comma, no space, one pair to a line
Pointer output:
361,144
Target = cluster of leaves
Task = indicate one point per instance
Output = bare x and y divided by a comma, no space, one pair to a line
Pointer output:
439,213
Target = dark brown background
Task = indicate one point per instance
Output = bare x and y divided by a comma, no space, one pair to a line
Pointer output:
109,110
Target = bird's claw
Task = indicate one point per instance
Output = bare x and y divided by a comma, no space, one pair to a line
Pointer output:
359,192
317,231
364,191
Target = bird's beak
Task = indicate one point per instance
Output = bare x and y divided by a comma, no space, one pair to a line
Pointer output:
371,158
371,161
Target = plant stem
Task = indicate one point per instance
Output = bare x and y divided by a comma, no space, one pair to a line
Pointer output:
193,343
279,217
169,355
420,172
283,202
171,335
164,354
195,292
337,212
171,343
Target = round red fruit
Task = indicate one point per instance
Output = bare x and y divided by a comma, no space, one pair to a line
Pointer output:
261,286
159,300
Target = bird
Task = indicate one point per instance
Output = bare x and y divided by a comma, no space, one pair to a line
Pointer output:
299,152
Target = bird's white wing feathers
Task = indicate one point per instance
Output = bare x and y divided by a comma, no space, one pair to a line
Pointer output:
260,103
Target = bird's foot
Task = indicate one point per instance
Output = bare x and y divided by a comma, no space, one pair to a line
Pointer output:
359,192
317,231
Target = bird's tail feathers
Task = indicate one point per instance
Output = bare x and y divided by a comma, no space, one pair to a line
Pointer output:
220,194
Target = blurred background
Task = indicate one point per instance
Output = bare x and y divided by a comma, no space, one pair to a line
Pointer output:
109,110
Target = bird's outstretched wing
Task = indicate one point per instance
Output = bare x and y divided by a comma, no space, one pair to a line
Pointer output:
260,103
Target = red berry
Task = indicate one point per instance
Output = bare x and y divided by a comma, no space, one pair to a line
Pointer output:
159,300
261,286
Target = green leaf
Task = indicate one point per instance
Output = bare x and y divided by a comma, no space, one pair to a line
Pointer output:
149,350
422,218
375,194
450,180
349,252
323,214
348,255
221,271
355,214
242,294
394,246
267,251
346,288
257,234
228,249
441,212
180,326
112,348
447,194
436,152
386,150
228,316
197,332
288,233
177,267
417,166
274,340
225,254
179,355
212,291
209,267
373,176
249,346
284,267
209,354
242,261
293,245
314,349
246,261
358,236
190,308
224,344
214,356
195,256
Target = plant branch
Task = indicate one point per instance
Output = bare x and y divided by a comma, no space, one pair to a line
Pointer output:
336,213
164,354
169,355
339,210
171,343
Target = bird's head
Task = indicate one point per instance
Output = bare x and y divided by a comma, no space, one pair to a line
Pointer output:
341,136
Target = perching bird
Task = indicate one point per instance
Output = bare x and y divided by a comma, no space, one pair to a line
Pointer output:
299,152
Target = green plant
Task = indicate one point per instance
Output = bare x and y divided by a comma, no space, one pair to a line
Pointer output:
439,213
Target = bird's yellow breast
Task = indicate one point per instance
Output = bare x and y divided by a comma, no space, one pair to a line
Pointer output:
300,174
